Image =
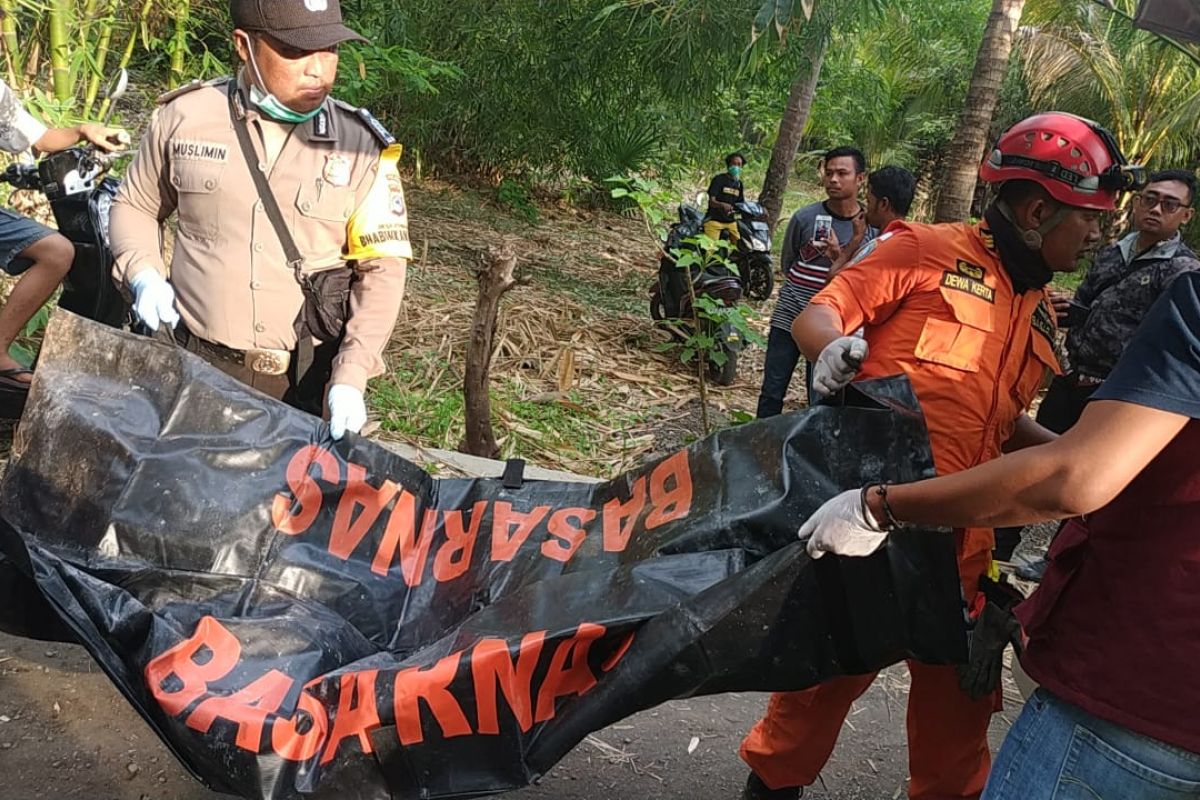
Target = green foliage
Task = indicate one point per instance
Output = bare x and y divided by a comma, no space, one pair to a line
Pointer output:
1083,58
894,87
59,54
558,91
711,315
514,195
25,348
650,199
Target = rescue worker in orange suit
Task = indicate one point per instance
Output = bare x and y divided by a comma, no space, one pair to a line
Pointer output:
963,311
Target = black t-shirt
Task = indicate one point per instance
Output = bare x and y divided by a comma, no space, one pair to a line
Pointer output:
727,189
1161,366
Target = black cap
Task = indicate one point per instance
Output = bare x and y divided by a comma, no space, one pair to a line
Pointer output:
303,24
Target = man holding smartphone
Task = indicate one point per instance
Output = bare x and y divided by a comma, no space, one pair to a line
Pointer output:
806,264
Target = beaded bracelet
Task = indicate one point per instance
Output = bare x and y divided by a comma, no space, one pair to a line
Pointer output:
867,516
891,523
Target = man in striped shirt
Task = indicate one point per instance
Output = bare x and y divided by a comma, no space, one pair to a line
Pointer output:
806,262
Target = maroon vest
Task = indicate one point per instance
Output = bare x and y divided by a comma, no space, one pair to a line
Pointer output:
1115,626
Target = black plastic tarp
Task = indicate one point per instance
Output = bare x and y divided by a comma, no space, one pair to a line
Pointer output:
298,617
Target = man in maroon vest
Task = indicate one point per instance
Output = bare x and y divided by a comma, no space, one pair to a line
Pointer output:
1113,633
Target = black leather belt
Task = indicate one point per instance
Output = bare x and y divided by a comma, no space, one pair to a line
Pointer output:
261,360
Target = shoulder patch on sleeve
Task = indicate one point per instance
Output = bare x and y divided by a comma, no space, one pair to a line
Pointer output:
379,226
376,127
187,88
1043,320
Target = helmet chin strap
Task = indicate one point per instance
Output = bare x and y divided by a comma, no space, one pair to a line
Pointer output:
1034,238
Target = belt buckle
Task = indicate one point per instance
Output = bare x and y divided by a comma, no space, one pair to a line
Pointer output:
268,362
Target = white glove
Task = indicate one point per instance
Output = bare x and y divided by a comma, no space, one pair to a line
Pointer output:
153,299
347,410
839,527
838,363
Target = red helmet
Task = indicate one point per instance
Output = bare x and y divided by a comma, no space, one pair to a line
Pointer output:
1074,159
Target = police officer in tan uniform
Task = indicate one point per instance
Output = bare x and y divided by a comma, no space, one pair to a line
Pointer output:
232,294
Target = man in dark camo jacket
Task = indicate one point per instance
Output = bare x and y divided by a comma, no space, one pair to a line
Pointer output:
1119,289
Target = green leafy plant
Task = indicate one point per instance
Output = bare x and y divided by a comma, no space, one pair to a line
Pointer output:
25,348
698,341
514,195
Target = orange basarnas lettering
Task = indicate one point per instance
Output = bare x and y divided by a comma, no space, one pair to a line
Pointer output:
185,681
443,542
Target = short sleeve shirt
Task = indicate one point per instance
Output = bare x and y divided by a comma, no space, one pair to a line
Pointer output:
1161,366
727,189
18,129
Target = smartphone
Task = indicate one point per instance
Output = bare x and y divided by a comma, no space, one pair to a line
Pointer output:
822,228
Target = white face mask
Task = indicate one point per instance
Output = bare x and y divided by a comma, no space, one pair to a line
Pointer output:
268,103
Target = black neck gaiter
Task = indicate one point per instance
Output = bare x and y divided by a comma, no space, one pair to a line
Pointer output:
1026,268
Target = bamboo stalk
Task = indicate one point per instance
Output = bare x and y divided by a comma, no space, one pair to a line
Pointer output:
179,43
32,62
102,49
85,22
127,54
60,49
12,51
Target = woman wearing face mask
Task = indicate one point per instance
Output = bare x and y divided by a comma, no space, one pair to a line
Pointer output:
298,304
724,192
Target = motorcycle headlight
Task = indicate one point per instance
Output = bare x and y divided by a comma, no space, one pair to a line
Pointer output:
759,245
104,203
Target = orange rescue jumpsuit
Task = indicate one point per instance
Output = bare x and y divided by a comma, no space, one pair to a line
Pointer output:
938,306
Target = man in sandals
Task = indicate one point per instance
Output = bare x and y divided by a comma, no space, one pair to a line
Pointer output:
36,255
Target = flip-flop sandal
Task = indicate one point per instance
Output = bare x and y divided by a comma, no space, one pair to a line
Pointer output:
8,378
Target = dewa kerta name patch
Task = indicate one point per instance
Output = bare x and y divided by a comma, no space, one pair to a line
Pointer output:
969,285
194,150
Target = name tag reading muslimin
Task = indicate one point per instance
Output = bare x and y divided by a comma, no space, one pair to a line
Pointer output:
191,150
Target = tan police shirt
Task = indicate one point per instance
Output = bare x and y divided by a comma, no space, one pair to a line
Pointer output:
231,277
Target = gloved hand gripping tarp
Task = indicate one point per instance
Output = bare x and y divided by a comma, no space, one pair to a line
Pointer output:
296,617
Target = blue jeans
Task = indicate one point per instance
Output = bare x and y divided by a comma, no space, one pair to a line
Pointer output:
780,364
1057,751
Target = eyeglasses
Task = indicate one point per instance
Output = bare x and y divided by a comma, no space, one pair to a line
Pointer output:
1169,204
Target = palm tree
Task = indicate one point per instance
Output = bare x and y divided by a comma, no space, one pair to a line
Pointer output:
974,124
1085,59
816,19
814,41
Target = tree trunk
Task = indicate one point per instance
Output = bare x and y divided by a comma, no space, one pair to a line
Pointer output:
791,127
974,124
496,277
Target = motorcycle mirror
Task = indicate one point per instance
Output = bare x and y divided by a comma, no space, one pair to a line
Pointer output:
115,92
119,86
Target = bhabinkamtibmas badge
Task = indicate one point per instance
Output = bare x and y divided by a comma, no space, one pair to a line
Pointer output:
379,226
